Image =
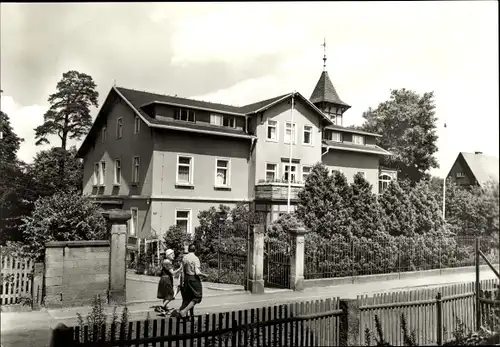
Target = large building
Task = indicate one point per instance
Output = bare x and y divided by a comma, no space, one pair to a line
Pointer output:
167,158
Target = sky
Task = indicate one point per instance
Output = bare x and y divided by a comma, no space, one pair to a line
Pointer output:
239,53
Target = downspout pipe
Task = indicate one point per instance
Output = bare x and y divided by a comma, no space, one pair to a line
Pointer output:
327,150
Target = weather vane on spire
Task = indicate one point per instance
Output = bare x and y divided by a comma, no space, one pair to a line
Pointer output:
324,54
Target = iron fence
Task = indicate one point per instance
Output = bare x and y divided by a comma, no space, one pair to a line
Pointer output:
341,258
226,267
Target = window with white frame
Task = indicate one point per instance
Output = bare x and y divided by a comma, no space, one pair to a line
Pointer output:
222,172
102,175
290,172
184,170
137,125
271,172
383,182
183,220
119,128
272,130
97,174
103,134
118,172
335,136
306,170
289,132
358,139
308,132
460,174
134,221
184,114
136,163
223,120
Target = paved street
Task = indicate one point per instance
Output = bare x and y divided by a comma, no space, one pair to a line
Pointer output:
33,328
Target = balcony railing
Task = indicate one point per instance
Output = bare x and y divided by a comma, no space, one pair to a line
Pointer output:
277,190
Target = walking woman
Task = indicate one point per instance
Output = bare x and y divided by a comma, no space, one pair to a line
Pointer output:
166,285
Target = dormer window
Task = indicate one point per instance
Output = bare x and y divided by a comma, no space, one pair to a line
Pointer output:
222,120
184,115
358,139
334,136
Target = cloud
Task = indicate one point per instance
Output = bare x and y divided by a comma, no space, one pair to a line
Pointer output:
23,121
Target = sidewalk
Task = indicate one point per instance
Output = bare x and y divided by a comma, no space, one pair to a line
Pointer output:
244,300
21,329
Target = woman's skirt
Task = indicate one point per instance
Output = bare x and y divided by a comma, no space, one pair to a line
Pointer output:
192,290
165,288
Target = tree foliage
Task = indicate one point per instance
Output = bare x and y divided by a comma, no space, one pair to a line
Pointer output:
367,216
322,205
10,142
472,212
68,116
408,122
397,206
231,224
64,216
175,238
15,185
45,169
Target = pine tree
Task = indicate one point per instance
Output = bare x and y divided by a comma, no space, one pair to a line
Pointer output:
366,213
398,209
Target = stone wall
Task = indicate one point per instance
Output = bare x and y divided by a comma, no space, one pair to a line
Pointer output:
75,272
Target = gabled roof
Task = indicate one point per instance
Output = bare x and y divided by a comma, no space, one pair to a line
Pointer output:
141,98
483,167
325,91
136,100
354,147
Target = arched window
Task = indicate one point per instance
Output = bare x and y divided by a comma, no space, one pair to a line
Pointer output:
383,182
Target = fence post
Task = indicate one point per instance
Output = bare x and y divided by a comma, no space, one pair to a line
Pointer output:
118,255
478,287
349,323
37,286
297,259
439,319
61,336
255,258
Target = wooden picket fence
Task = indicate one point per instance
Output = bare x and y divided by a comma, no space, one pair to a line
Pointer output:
432,313
309,323
16,279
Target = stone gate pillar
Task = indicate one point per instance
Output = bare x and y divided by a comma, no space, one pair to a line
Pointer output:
255,277
297,258
118,255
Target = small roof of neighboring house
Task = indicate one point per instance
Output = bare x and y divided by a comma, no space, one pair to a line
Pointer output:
483,167
354,147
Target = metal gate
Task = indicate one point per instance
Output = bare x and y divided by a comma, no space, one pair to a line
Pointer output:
277,263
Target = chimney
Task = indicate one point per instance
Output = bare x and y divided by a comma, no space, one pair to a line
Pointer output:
478,152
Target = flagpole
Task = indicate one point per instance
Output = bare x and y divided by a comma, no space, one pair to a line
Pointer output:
444,184
292,139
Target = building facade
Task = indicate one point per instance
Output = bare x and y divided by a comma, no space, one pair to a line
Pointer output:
166,158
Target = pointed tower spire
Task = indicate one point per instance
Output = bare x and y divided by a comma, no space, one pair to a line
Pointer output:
325,97
324,54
